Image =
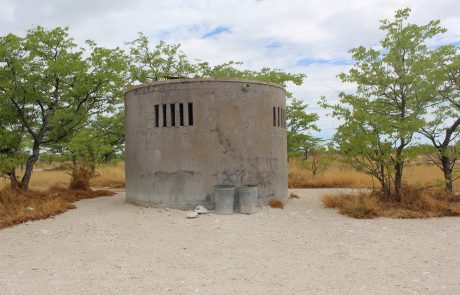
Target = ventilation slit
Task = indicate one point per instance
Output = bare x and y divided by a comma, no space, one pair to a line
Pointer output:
190,114
173,114
164,116
274,116
282,117
157,115
278,117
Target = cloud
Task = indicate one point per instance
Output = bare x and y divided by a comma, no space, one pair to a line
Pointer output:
299,36
216,31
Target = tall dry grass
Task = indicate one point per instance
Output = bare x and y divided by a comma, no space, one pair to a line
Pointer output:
337,175
343,175
112,176
109,175
416,203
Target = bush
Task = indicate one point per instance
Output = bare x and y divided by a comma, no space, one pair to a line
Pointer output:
416,203
80,178
275,203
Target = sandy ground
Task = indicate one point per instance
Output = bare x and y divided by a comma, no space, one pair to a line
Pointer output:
108,247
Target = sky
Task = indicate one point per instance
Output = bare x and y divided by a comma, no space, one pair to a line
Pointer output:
298,36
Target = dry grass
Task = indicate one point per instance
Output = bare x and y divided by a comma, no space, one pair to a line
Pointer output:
48,197
111,176
416,203
342,175
18,207
275,203
338,175
359,206
80,178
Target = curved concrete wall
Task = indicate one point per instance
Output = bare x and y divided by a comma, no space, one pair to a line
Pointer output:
183,137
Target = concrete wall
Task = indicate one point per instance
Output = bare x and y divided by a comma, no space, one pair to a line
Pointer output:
233,140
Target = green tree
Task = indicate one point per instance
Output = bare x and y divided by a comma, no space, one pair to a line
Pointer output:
53,87
382,116
163,62
299,124
99,142
11,143
443,129
168,61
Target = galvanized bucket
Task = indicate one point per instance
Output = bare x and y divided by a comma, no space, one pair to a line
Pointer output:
225,199
247,201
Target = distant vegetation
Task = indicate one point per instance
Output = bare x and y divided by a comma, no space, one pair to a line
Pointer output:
61,102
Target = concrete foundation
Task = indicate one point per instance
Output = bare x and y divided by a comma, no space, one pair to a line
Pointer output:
183,137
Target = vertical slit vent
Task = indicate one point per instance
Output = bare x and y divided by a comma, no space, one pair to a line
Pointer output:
190,114
164,116
274,116
173,114
278,117
157,115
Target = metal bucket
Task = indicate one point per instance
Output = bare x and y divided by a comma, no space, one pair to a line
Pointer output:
225,199
247,201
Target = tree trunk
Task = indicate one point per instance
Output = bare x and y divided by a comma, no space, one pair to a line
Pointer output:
74,162
92,169
30,165
386,190
398,180
445,161
14,183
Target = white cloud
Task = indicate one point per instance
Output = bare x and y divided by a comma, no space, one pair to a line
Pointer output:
314,30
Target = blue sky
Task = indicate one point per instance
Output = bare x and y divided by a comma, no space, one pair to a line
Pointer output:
311,37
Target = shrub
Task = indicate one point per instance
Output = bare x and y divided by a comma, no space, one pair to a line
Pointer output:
80,178
275,203
416,203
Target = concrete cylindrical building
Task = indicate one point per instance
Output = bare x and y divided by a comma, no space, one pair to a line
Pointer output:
183,137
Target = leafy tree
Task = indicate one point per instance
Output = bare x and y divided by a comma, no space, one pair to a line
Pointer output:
53,87
318,159
299,124
382,116
230,70
165,61
168,61
11,143
98,142
443,129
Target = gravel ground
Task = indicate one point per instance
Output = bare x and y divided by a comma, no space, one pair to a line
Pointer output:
106,246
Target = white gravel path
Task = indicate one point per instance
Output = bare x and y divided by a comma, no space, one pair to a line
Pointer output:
106,246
